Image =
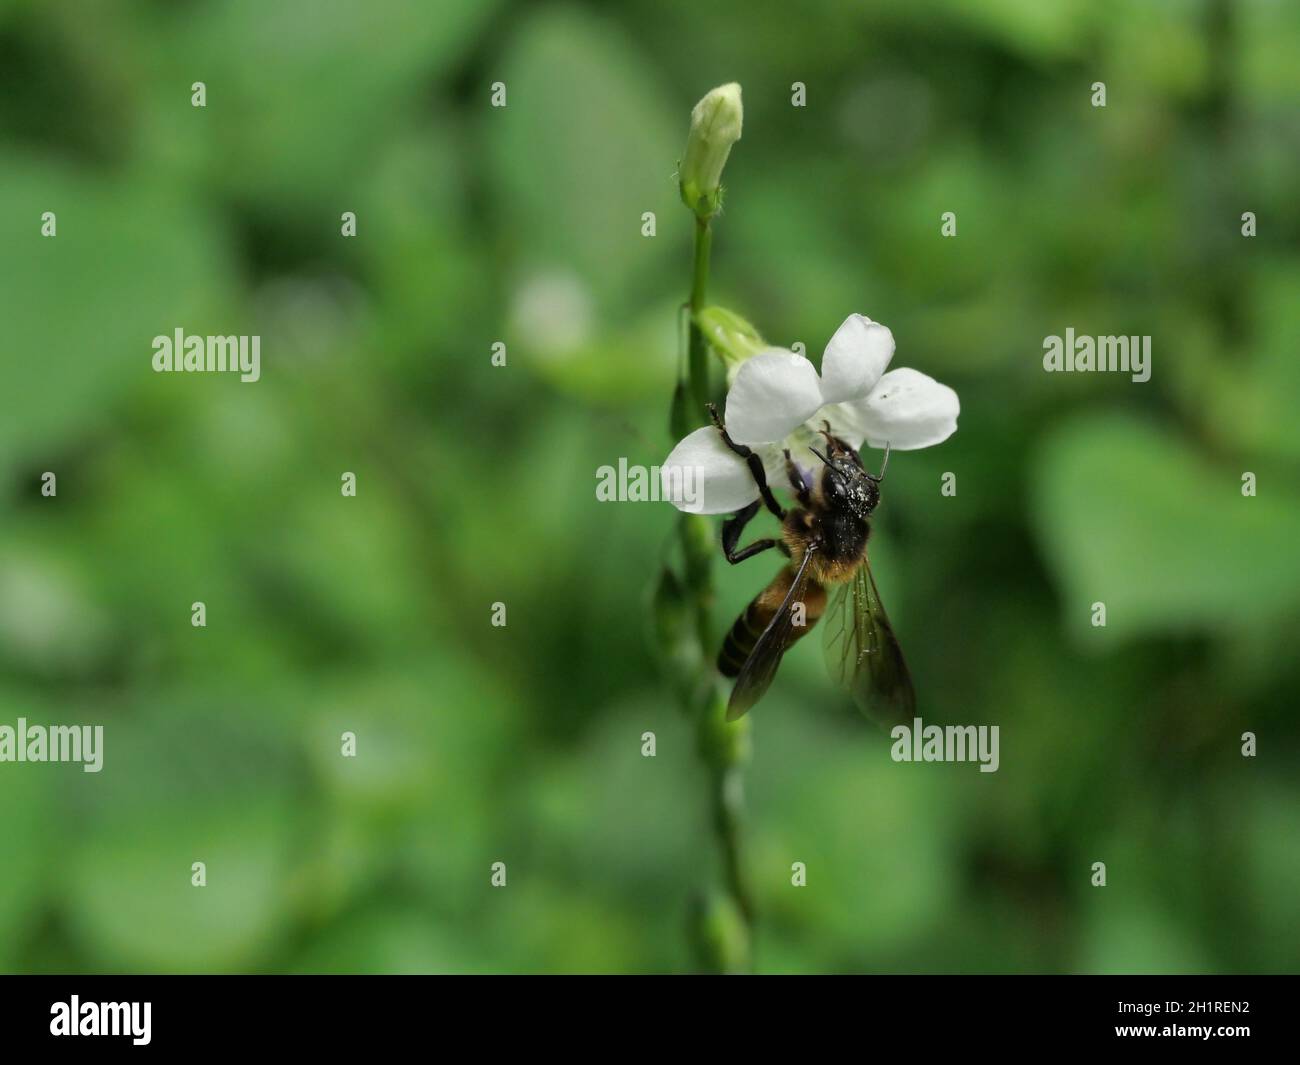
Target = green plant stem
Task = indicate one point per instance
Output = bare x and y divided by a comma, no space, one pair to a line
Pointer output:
695,541
720,744
728,810
698,349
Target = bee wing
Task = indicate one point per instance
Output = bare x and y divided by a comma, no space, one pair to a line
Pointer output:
862,652
760,667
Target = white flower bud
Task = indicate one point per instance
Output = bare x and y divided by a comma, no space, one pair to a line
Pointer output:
715,126
730,335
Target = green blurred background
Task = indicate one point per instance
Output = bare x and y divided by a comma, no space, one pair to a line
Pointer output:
476,484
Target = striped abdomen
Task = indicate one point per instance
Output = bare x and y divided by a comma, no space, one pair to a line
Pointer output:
744,634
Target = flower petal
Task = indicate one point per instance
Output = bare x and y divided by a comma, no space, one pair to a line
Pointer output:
855,358
906,410
773,392
800,444
703,476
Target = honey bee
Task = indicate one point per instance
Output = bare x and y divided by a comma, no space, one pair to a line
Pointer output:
825,538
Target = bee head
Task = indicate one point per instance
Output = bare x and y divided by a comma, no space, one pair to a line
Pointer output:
844,480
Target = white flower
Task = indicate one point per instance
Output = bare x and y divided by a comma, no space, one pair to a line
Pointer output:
777,401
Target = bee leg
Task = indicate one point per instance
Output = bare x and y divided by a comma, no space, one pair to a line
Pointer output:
754,462
731,530
800,486
756,548
734,526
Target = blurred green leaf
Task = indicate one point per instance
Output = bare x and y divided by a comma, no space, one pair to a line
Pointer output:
300,93
1129,515
585,146
130,261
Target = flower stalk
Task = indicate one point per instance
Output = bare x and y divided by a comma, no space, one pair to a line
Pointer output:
722,923
698,349
778,404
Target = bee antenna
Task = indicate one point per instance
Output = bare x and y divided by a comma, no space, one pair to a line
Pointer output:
883,466
831,469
